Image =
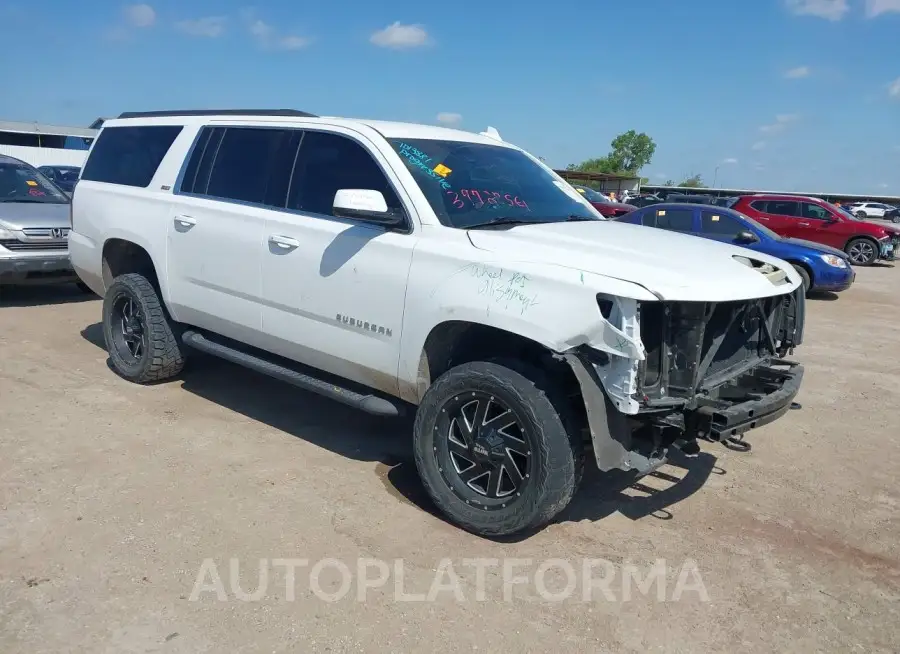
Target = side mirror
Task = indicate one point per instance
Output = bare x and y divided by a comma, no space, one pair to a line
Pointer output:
746,237
365,204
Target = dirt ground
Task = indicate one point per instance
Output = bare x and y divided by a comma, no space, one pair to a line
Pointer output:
112,497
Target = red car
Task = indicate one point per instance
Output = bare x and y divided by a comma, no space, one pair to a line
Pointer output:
603,204
818,221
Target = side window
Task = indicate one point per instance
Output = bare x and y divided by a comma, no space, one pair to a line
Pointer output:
760,205
327,163
720,224
252,165
814,211
129,155
676,220
783,208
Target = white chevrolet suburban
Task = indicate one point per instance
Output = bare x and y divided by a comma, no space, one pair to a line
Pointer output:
396,267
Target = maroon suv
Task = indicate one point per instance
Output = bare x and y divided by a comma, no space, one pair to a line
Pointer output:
603,204
815,220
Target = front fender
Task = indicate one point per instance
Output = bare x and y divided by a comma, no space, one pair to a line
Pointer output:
554,306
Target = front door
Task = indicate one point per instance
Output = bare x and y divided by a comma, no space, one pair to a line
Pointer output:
334,289
818,224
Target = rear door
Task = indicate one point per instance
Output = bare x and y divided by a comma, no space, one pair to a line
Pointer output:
780,216
234,177
673,219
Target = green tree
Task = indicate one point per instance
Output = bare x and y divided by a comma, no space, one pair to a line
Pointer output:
694,181
629,153
632,151
669,182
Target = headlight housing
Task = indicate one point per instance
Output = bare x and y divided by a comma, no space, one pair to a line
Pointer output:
834,260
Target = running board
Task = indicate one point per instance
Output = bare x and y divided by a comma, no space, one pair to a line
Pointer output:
368,403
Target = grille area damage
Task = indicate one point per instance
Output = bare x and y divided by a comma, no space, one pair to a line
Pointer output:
711,370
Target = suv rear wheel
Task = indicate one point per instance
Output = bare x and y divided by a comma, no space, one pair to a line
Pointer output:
140,336
862,215
493,451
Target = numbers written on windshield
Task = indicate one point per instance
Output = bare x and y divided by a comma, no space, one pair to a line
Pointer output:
470,197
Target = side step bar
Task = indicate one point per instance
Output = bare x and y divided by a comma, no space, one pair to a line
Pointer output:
368,403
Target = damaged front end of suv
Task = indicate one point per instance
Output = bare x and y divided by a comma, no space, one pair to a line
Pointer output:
711,370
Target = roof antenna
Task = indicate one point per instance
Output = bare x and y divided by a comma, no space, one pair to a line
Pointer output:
491,133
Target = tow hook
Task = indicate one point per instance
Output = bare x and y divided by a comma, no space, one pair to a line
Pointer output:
737,443
795,406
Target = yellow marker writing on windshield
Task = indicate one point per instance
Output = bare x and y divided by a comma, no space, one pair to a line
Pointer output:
31,183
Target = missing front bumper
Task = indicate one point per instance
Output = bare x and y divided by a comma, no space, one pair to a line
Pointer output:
640,443
761,396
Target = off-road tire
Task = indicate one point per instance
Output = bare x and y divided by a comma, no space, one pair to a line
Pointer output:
163,357
558,451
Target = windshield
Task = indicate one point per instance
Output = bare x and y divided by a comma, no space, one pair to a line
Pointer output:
67,174
22,183
470,184
846,212
591,195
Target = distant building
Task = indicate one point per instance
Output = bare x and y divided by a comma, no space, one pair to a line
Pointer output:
46,145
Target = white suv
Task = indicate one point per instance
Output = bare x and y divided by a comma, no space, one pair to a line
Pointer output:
397,267
875,210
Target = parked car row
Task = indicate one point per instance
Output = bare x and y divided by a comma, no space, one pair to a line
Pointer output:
875,210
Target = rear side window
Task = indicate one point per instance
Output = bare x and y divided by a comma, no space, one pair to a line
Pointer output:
780,208
246,164
760,205
129,156
676,220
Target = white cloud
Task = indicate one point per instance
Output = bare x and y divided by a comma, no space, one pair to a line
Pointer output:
398,36
210,26
781,121
877,7
759,145
883,185
833,10
797,73
730,160
449,118
894,88
269,38
140,15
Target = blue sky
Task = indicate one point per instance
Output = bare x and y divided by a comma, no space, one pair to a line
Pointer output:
776,94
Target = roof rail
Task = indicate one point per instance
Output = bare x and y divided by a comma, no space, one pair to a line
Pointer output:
217,112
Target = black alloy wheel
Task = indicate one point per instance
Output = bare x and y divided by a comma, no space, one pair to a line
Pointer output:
129,329
482,450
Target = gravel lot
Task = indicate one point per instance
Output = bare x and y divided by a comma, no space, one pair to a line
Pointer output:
112,496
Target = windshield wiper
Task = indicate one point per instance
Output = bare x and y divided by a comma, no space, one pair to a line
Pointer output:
502,220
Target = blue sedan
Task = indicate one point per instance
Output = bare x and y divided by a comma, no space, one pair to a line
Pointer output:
822,268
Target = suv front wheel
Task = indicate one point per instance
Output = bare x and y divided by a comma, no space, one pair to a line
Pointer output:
140,336
495,453
862,251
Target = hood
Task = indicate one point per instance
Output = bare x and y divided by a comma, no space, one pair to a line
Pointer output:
824,249
19,215
888,227
672,266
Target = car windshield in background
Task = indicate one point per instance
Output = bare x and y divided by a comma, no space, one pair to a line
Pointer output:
469,184
765,230
67,174
21,183
847,213
591,195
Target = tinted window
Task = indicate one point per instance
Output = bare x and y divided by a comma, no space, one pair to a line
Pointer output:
720,224
19,182
676,220
129,155
760,205
780,208
810,210
254,165
470,184
327,163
